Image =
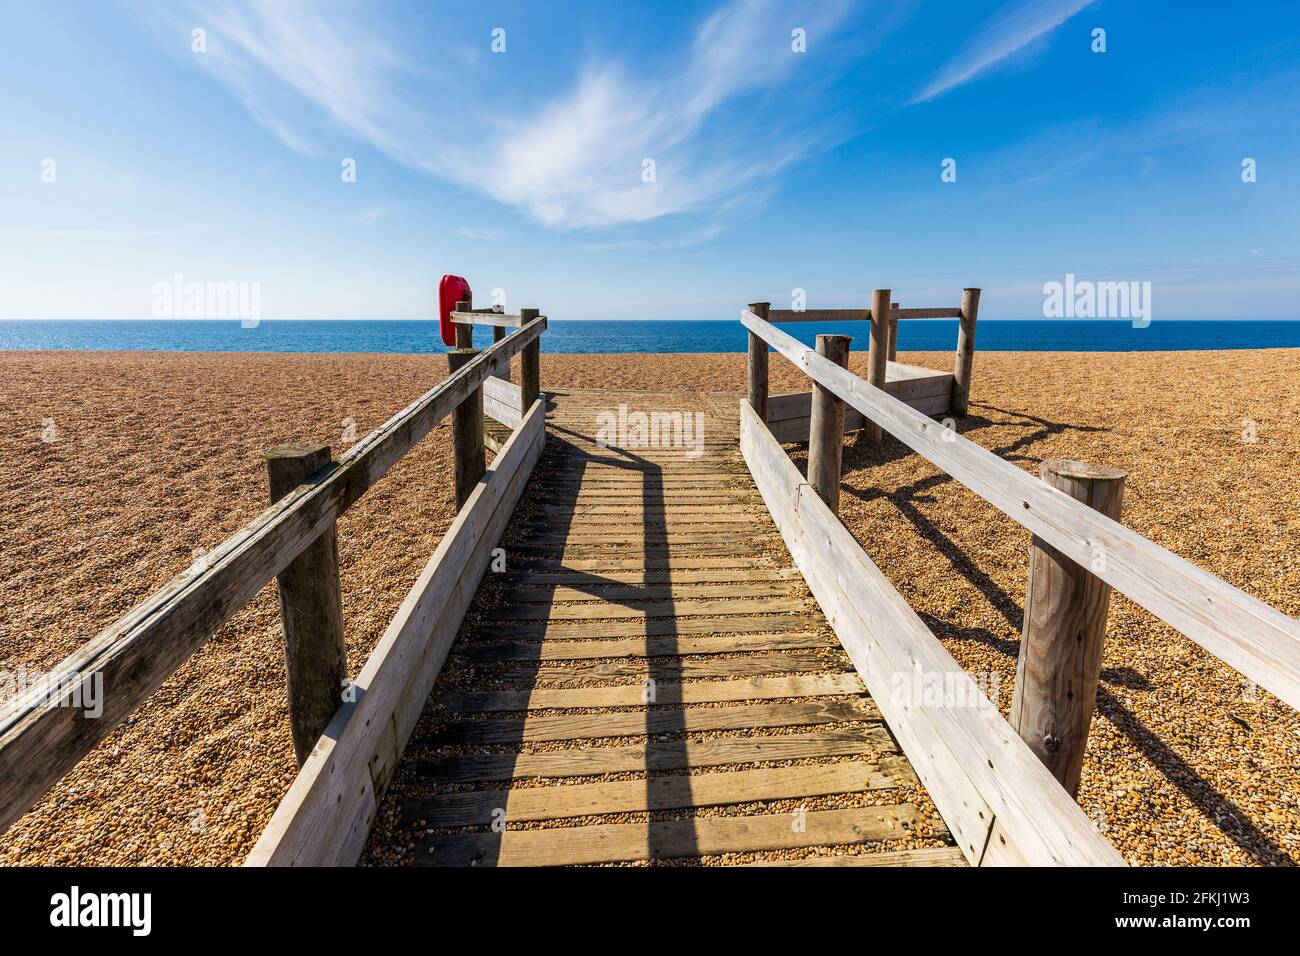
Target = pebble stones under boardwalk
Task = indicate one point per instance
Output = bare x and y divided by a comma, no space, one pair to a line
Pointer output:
649,679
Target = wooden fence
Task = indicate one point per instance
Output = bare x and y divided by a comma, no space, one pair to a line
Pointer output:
1001,801
42,736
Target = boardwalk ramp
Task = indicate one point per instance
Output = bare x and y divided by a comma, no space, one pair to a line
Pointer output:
649,679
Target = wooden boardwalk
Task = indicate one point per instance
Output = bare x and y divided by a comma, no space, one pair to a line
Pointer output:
671,664
650,679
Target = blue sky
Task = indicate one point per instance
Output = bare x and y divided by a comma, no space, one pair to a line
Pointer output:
774,169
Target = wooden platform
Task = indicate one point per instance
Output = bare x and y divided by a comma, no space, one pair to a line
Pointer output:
650,680
928,391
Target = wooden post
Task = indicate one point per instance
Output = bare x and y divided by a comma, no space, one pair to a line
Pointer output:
758,364
879,354
970,306
1064,632
893,332
530,364
311,609
826,430
464,333
467,432
499,333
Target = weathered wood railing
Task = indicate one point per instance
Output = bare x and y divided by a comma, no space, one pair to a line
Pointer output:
42,736
883,317
1001,802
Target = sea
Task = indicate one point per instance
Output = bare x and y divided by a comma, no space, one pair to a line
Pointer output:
619,337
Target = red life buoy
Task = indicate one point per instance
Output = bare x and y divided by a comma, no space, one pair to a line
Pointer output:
451,289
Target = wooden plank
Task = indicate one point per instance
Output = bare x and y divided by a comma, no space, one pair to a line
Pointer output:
701,836
626,535
931,404
792,430
671,645
577,528
581,673
925,856
645,579
655,793
503,392
633,593
661,720
622,481
634,695
320,820
638,510
42,736
662,474
901,372
911,389
928,313
607,611
568,551
613,566
626,520
790,421
660,756
538,630
585,495
500,412
970,760
819,315
657,545
1257,640
487,317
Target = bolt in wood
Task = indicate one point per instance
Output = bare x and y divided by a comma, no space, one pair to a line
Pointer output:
1064,632
826,430
311,608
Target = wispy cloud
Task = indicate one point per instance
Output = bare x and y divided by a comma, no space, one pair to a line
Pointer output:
571,160
1013,28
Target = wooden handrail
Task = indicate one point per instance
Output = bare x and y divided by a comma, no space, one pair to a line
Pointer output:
488,317
1001,804
847,315
1257,640
42,736
325,817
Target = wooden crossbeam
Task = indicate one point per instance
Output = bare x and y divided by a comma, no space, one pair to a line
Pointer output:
487,317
